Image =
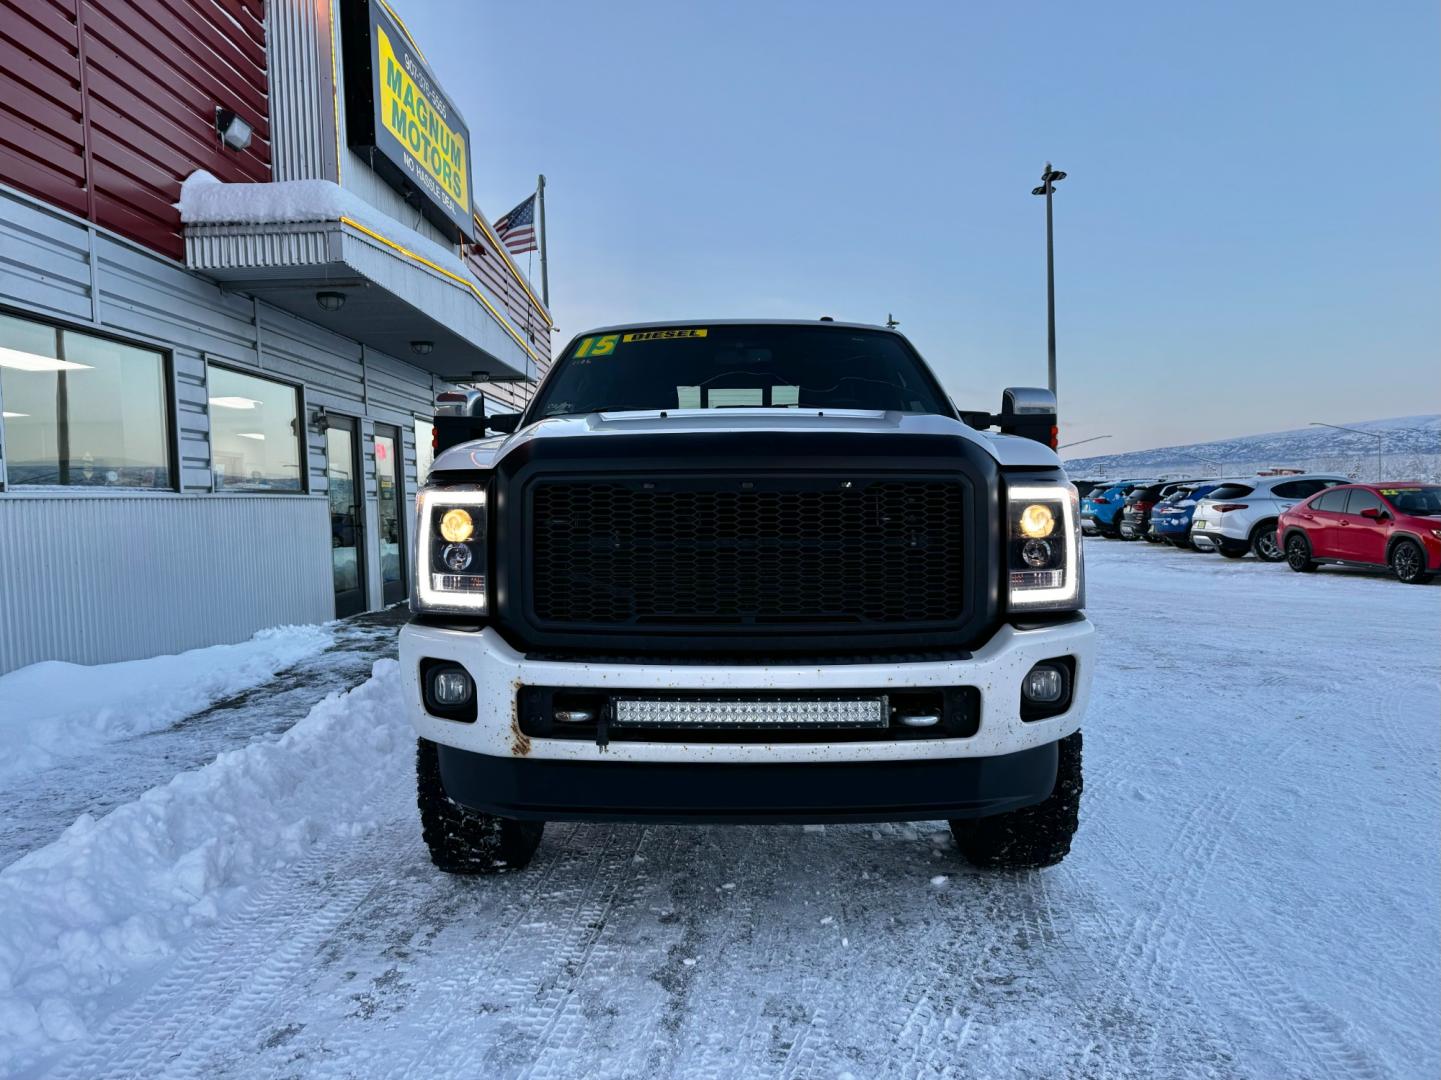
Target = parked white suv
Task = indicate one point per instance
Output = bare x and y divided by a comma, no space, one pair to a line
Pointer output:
1240,515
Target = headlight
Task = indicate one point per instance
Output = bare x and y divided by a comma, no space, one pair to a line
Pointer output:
450,556
1043,548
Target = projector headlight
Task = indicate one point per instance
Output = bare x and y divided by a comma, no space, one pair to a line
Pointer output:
1043,548
450,550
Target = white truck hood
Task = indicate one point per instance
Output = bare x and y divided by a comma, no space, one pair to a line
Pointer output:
484,453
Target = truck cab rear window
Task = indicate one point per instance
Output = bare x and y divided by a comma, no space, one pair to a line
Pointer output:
741,367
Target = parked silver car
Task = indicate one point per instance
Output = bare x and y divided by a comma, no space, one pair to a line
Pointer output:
1240,515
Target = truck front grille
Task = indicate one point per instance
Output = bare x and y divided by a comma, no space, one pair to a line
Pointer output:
703,553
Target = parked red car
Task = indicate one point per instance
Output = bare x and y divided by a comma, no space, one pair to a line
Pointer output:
1395,525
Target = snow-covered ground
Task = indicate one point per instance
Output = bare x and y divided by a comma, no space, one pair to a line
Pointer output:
1253,893
56,710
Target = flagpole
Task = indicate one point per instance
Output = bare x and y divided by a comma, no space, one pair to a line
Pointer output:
544,263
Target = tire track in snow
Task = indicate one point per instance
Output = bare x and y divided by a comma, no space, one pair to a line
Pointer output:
264,943
1229,966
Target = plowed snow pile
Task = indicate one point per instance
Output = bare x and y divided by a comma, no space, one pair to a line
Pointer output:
113,897
52,711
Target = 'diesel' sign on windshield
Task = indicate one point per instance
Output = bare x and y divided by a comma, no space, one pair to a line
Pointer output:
397,118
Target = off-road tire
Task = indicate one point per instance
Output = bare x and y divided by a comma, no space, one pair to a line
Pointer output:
1033,836
1298,554
1263,542
1408,562
462,840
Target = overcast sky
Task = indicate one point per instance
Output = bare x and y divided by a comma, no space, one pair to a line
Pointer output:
1247,240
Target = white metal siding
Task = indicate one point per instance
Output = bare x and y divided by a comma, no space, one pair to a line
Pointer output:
92,579
178,569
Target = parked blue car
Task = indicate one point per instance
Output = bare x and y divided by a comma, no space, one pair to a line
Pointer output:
1101,508
1171,519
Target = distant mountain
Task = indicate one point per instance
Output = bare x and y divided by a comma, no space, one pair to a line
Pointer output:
1410,449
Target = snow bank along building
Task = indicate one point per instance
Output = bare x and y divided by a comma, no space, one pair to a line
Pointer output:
214,403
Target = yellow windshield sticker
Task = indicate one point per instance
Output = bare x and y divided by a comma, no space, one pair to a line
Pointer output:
597,346
664,335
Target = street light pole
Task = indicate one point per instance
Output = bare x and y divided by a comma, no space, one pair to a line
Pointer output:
1049,177
1380,439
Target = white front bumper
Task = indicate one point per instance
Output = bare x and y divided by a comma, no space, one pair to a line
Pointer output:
996,670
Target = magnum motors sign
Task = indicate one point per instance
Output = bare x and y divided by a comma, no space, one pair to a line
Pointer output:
397,118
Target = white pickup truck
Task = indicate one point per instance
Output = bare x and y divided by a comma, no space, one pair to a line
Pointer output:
749,572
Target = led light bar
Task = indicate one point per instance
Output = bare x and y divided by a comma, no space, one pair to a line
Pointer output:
753,712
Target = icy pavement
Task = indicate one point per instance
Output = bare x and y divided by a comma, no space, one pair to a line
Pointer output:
179,714
1253,893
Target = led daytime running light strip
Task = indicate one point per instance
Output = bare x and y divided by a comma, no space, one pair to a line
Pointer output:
1071,571
427,595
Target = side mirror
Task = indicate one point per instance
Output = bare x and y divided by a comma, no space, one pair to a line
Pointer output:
1030,412
505,422
459,417
1375,513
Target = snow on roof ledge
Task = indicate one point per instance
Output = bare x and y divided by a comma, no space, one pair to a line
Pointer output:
204,200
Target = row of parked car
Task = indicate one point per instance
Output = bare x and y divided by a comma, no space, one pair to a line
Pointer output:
1303,520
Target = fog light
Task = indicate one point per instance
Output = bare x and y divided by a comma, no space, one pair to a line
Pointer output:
456,556
1044,684
451,686
1037,553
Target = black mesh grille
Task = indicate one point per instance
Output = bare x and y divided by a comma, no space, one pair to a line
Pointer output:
707,553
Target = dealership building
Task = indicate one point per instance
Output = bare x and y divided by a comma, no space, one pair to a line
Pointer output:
238,257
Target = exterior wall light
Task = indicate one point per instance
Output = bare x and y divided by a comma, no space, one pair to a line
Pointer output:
422,348
233,131
330,301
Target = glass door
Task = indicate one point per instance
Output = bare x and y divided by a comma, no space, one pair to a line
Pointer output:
347,514
392,525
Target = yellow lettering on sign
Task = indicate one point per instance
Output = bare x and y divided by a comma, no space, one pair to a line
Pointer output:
411,117
664,335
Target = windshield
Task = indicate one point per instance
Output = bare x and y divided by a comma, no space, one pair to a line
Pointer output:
1421,501
739,367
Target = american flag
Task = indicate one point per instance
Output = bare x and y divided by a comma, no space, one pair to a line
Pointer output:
517,229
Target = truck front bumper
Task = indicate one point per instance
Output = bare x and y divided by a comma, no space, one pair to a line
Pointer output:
491,764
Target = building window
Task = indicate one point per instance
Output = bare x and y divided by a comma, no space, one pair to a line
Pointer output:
254,432
82,411
424,449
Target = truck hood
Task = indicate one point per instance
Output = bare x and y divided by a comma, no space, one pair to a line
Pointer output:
485,453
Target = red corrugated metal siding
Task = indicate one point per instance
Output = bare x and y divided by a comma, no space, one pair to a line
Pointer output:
42,133
108,104
524,314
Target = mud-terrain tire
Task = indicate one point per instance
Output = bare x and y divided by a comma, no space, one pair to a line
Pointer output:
1263,542
1408,562
1033,836
462,840
1298,554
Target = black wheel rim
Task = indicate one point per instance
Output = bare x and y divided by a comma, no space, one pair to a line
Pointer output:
1296,554
1408,565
